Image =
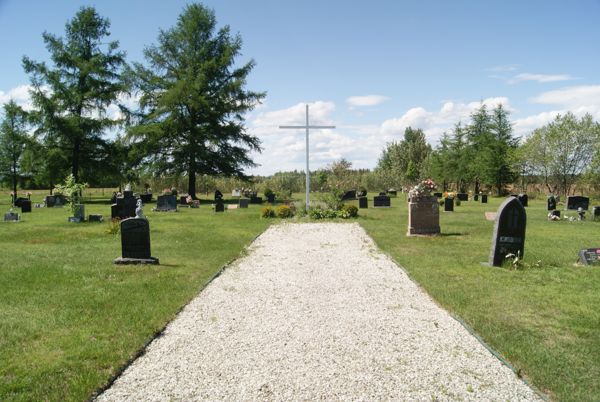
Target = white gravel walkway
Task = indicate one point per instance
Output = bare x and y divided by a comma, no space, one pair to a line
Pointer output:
315,311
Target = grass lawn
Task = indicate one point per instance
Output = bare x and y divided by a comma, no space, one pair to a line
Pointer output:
69,318
545,321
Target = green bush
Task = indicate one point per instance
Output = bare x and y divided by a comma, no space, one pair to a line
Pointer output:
349,211
457,202
268,192
319,213
267,212
284,211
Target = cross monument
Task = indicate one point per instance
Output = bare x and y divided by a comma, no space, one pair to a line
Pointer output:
307,127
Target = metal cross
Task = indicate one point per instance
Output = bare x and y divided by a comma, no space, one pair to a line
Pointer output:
307,127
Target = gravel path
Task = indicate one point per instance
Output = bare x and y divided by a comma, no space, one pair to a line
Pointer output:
315,311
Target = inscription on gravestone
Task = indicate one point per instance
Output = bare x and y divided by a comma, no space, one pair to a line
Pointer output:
509,231
576,201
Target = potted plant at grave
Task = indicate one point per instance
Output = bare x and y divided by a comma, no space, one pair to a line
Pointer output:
423,210
73,191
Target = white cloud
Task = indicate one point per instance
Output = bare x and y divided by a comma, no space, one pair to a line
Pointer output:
366,100
571,97
434,123
20,94
504,68
541,78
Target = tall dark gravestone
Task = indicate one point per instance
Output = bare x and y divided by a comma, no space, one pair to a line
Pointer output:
463,196
50,201
448,204
243,202
25,206
576,201
219,206
363,202
438,195
135,242
349,195
551,203
484,198
509,231
124,207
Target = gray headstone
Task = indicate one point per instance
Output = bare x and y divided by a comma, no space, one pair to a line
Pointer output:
50,201
509,231
11,217
165,203
79,212
244,202
574,202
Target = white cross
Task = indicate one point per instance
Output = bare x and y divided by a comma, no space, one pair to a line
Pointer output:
307,127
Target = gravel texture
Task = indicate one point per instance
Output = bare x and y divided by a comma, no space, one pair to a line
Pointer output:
315,311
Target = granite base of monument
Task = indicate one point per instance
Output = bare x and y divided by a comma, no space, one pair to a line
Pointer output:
134,261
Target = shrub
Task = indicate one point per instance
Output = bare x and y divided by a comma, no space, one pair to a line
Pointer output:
349,211
267,212
268,192
319,213
457,202
284,211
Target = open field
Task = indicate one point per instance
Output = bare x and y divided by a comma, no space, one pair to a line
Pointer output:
69,318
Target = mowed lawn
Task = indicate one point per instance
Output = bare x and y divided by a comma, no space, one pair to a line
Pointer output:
69,318
545,320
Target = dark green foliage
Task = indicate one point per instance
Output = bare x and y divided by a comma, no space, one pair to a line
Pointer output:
72,96
13,138
193,101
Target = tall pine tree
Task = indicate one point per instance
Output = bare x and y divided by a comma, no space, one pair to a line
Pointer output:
71,97
13,138
193,101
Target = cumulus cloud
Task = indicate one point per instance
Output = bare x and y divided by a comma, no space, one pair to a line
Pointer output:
19,94
366,100
435,123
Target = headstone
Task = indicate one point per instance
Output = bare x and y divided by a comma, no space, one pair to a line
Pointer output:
523,198
25,206
195,204
589,256
476,197
581,214
135,242
381,201
490,216
438,195
11,216
146,198
95,218
363,202
50,201
271,198
183,200
484,198
124,207
79,212
59,200
596,213
255,200
392,192
576,201
361,193
236,193
509,231
423,216
19,201
166,203
556,213
448,204
463,196
219,206
244,202
218,195
349,195
551,203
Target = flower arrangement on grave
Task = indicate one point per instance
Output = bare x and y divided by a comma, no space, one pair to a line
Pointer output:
424,188
167,191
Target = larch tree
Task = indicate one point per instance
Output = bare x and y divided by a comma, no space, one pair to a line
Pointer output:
71,97
193,101
13,139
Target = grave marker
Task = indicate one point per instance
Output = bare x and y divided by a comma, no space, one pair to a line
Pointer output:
11,216
166,203
363,202
219,206
448,204
25,206
589,256
509,231
463,196
135,242
484,198
577,201
551,203
381,201
244,202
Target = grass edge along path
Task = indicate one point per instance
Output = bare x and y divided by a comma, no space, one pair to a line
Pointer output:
543,320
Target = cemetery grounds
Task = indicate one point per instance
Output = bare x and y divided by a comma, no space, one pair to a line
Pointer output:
70,319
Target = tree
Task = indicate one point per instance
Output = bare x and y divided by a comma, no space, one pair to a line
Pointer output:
13,138
71,97
193,101
563,149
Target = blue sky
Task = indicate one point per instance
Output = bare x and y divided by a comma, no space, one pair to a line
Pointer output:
371,68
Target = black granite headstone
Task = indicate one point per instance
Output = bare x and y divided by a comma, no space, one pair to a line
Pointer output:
509,231
219,206
135,242
448,204
50,201
124,207
556,213
25,206
349,195
19,201
576,201
244,202
255,200
165,203
462,196
438,195
524,199
484,198
363,202
146,197
551,203
95,218
596,213
381,201
271,198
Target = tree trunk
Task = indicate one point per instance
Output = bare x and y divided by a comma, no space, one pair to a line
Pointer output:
75,167
14,177
192,180
476,186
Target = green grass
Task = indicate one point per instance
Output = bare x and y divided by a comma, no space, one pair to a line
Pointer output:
69,318
545,321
